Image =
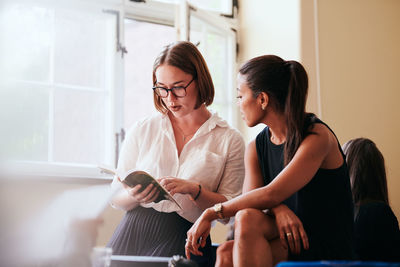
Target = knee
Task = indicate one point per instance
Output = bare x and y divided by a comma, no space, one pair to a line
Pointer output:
225,248
224,254
247,220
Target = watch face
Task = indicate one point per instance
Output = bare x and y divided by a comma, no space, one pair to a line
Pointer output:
217,207
218,210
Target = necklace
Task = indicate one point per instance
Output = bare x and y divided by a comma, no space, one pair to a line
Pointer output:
184,136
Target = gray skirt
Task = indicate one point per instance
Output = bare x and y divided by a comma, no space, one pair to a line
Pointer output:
147,232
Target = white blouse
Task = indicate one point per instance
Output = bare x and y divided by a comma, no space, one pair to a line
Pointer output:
214,157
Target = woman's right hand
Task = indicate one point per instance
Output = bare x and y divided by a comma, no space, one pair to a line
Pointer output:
148,195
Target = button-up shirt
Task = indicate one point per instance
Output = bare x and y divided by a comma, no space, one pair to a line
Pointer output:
213,157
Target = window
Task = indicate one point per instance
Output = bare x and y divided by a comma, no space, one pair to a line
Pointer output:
212,34
57,89
218,47
138,97
66,90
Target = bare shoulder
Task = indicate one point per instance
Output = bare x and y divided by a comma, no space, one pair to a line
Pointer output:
321,134
251,157
321,131
251,148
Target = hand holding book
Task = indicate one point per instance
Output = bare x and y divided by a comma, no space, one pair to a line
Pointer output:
141,194
175,185
142,186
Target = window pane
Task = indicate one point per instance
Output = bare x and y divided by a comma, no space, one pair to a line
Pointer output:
24,121
144,42
79,129
25,40
59,60
213,46
80,42
220,6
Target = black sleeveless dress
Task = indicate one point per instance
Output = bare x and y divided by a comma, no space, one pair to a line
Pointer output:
324,205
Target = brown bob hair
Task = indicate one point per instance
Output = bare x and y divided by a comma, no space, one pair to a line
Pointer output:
185,56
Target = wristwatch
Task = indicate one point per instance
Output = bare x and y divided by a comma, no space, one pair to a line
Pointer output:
218,210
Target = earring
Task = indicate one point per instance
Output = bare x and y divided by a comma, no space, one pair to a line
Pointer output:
263,107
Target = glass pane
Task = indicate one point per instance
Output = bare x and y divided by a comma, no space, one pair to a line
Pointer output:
144,42
24,120
79,126
213,46
220,6
73,46
25,41
80,45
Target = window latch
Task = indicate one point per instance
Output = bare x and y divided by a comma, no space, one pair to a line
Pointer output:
120,47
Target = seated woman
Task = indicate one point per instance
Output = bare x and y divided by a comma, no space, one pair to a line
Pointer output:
295,168
196,154
376,229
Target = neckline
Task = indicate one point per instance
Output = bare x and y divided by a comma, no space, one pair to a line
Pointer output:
185,136
269,139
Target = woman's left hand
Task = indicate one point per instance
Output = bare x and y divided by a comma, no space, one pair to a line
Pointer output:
198,233
291,230
175,185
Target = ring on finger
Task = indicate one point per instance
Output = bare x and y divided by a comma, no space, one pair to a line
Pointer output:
288,234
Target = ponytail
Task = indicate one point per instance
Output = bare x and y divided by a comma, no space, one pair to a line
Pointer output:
286,84
295,109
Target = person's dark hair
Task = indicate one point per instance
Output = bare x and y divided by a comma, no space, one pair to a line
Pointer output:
367,171
286,84
185,56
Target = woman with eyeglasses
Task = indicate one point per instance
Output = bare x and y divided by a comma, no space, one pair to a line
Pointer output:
195,154
296,201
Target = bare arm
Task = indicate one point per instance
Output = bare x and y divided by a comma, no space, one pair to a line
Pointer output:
253,178
316,151
310,156
205,198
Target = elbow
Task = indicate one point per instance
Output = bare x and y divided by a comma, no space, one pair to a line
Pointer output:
123,202
116,206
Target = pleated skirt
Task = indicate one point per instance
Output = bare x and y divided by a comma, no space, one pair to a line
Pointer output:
147,232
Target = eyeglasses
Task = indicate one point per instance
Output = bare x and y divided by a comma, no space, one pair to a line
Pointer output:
178,91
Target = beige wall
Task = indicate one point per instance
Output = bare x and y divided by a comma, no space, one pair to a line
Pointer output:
358,56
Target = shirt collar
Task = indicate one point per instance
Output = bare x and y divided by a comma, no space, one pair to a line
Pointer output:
207,126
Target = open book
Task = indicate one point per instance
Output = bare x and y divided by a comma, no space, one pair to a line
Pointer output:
135,177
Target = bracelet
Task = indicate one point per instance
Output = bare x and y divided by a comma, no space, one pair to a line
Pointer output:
198,194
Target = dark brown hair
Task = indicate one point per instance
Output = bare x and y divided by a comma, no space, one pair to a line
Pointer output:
367,171
286,84
185,56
